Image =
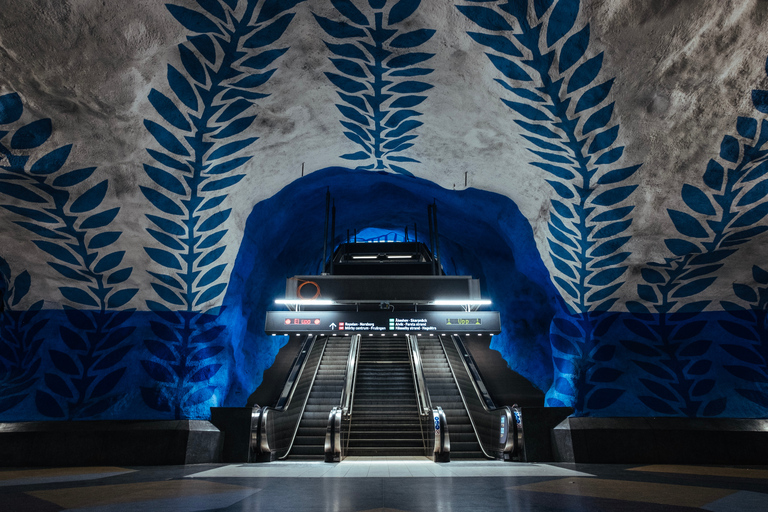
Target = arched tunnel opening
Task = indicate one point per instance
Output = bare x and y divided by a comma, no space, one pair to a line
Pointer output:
482,234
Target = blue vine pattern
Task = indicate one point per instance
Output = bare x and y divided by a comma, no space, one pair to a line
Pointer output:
225,62
749,327
70,229
676,352
570,128
376,80
19,339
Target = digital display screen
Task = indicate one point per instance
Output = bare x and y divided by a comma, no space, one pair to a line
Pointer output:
463,321
281,322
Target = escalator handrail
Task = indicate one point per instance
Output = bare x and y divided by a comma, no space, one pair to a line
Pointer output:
464,401
304,405
477,380
347,394
422,393
511,437
297,368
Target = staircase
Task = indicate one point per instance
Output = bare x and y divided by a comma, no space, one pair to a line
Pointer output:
443,392
385,414
324,396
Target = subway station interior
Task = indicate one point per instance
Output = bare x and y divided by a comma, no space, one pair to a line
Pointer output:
384,255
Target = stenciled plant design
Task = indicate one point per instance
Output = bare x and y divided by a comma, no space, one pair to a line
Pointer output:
750,327
71,229
722,215
19,339
375,79
223,66
552,82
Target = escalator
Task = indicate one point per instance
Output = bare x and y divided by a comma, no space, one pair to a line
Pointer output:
384,419
444,391
296,425
324,395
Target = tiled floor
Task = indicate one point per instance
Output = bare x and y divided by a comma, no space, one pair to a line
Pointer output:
387,485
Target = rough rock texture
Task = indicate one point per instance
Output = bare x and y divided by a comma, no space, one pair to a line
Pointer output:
495,81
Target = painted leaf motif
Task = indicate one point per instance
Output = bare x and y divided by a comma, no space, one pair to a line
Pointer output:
52,162
593,97
200,396
165,138
585,73
161,202
193,21
121,297
100,220
77,295
485,17
603,397
32,135
561,20
205,373
155,399
11,108
657,405
694,287
21,193
574,49
170,112
599,119
47,405
157,371
338,30
687,224
509,68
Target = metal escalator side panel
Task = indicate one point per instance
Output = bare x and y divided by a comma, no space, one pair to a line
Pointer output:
347,397
471,367
502,426
455,368
298,402
420,388
422,391
441,451
293,376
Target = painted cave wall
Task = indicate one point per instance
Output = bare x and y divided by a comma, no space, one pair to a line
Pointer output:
600,166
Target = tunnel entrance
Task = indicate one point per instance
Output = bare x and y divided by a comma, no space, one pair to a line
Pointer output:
482,235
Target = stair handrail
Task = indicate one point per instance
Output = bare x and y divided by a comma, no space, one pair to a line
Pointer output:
334,444
347,395
289,388
508,418
422,392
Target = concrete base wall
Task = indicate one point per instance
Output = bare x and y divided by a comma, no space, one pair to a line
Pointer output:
84,443
661,441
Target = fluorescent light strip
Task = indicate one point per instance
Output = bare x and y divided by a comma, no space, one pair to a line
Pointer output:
446,302
399,257
364,257
304,302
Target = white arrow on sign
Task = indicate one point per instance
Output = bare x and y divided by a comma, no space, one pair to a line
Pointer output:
332,326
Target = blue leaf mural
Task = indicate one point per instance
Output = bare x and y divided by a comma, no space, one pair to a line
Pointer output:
20,338
748,333
200,131
78,384
577,151
377,65
722,215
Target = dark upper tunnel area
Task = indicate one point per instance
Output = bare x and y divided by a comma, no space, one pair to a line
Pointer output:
481,234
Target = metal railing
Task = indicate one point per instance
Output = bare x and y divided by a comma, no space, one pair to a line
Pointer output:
434,426
273,429
335,444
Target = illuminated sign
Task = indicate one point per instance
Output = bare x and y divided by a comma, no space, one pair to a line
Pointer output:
327,322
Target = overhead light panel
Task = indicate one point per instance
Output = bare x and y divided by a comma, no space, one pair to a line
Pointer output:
460,302
304,302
